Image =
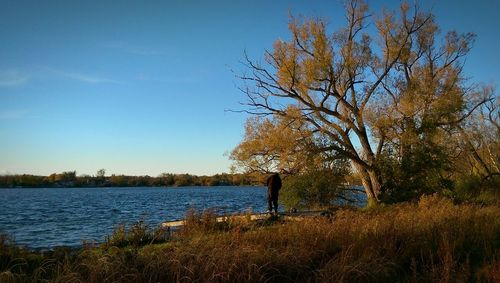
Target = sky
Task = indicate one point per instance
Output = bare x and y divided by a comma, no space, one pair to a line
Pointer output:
143,87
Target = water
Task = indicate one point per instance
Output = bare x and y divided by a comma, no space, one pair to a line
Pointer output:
46,218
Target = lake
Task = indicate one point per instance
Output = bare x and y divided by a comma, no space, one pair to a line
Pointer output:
50,217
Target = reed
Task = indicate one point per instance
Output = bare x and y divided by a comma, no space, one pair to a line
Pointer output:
430,240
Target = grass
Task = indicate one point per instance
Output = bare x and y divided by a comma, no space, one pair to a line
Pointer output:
432,240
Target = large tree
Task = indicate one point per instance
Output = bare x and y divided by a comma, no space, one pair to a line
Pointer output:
363,92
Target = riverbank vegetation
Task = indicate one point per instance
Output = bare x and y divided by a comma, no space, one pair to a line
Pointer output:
429,240
70,179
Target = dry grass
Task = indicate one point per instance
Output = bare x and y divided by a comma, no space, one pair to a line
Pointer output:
432,240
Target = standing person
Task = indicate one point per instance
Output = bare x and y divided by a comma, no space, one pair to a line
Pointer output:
273,188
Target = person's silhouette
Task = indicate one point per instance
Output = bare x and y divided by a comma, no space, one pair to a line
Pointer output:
273,188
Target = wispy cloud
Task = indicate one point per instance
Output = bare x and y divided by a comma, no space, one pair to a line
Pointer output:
132,49
78,76
87,78
12,114
16,77
10,78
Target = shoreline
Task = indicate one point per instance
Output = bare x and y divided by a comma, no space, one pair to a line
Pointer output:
425,241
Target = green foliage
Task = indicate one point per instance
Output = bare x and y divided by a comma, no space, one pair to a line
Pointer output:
477,189
313,189
420,170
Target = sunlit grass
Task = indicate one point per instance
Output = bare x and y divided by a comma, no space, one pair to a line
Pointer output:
432,240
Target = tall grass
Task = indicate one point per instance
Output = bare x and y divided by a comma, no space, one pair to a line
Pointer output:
138,234
432,240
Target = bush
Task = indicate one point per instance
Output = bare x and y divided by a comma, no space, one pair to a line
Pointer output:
137,235
477,189
419,171
314,189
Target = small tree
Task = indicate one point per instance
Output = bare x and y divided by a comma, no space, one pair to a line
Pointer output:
100,176
101,173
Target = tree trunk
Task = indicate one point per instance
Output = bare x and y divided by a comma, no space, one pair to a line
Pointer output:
371,183
370,178
376,183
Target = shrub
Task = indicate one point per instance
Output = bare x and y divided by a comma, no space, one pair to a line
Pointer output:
137,235
419,171
314,189
477,189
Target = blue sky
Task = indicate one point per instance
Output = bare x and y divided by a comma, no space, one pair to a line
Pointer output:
141,87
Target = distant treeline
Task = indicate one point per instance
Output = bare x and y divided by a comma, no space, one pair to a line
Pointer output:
70,179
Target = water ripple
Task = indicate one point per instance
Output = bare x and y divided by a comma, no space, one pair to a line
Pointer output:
49,217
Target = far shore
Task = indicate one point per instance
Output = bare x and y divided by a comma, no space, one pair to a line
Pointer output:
70,179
